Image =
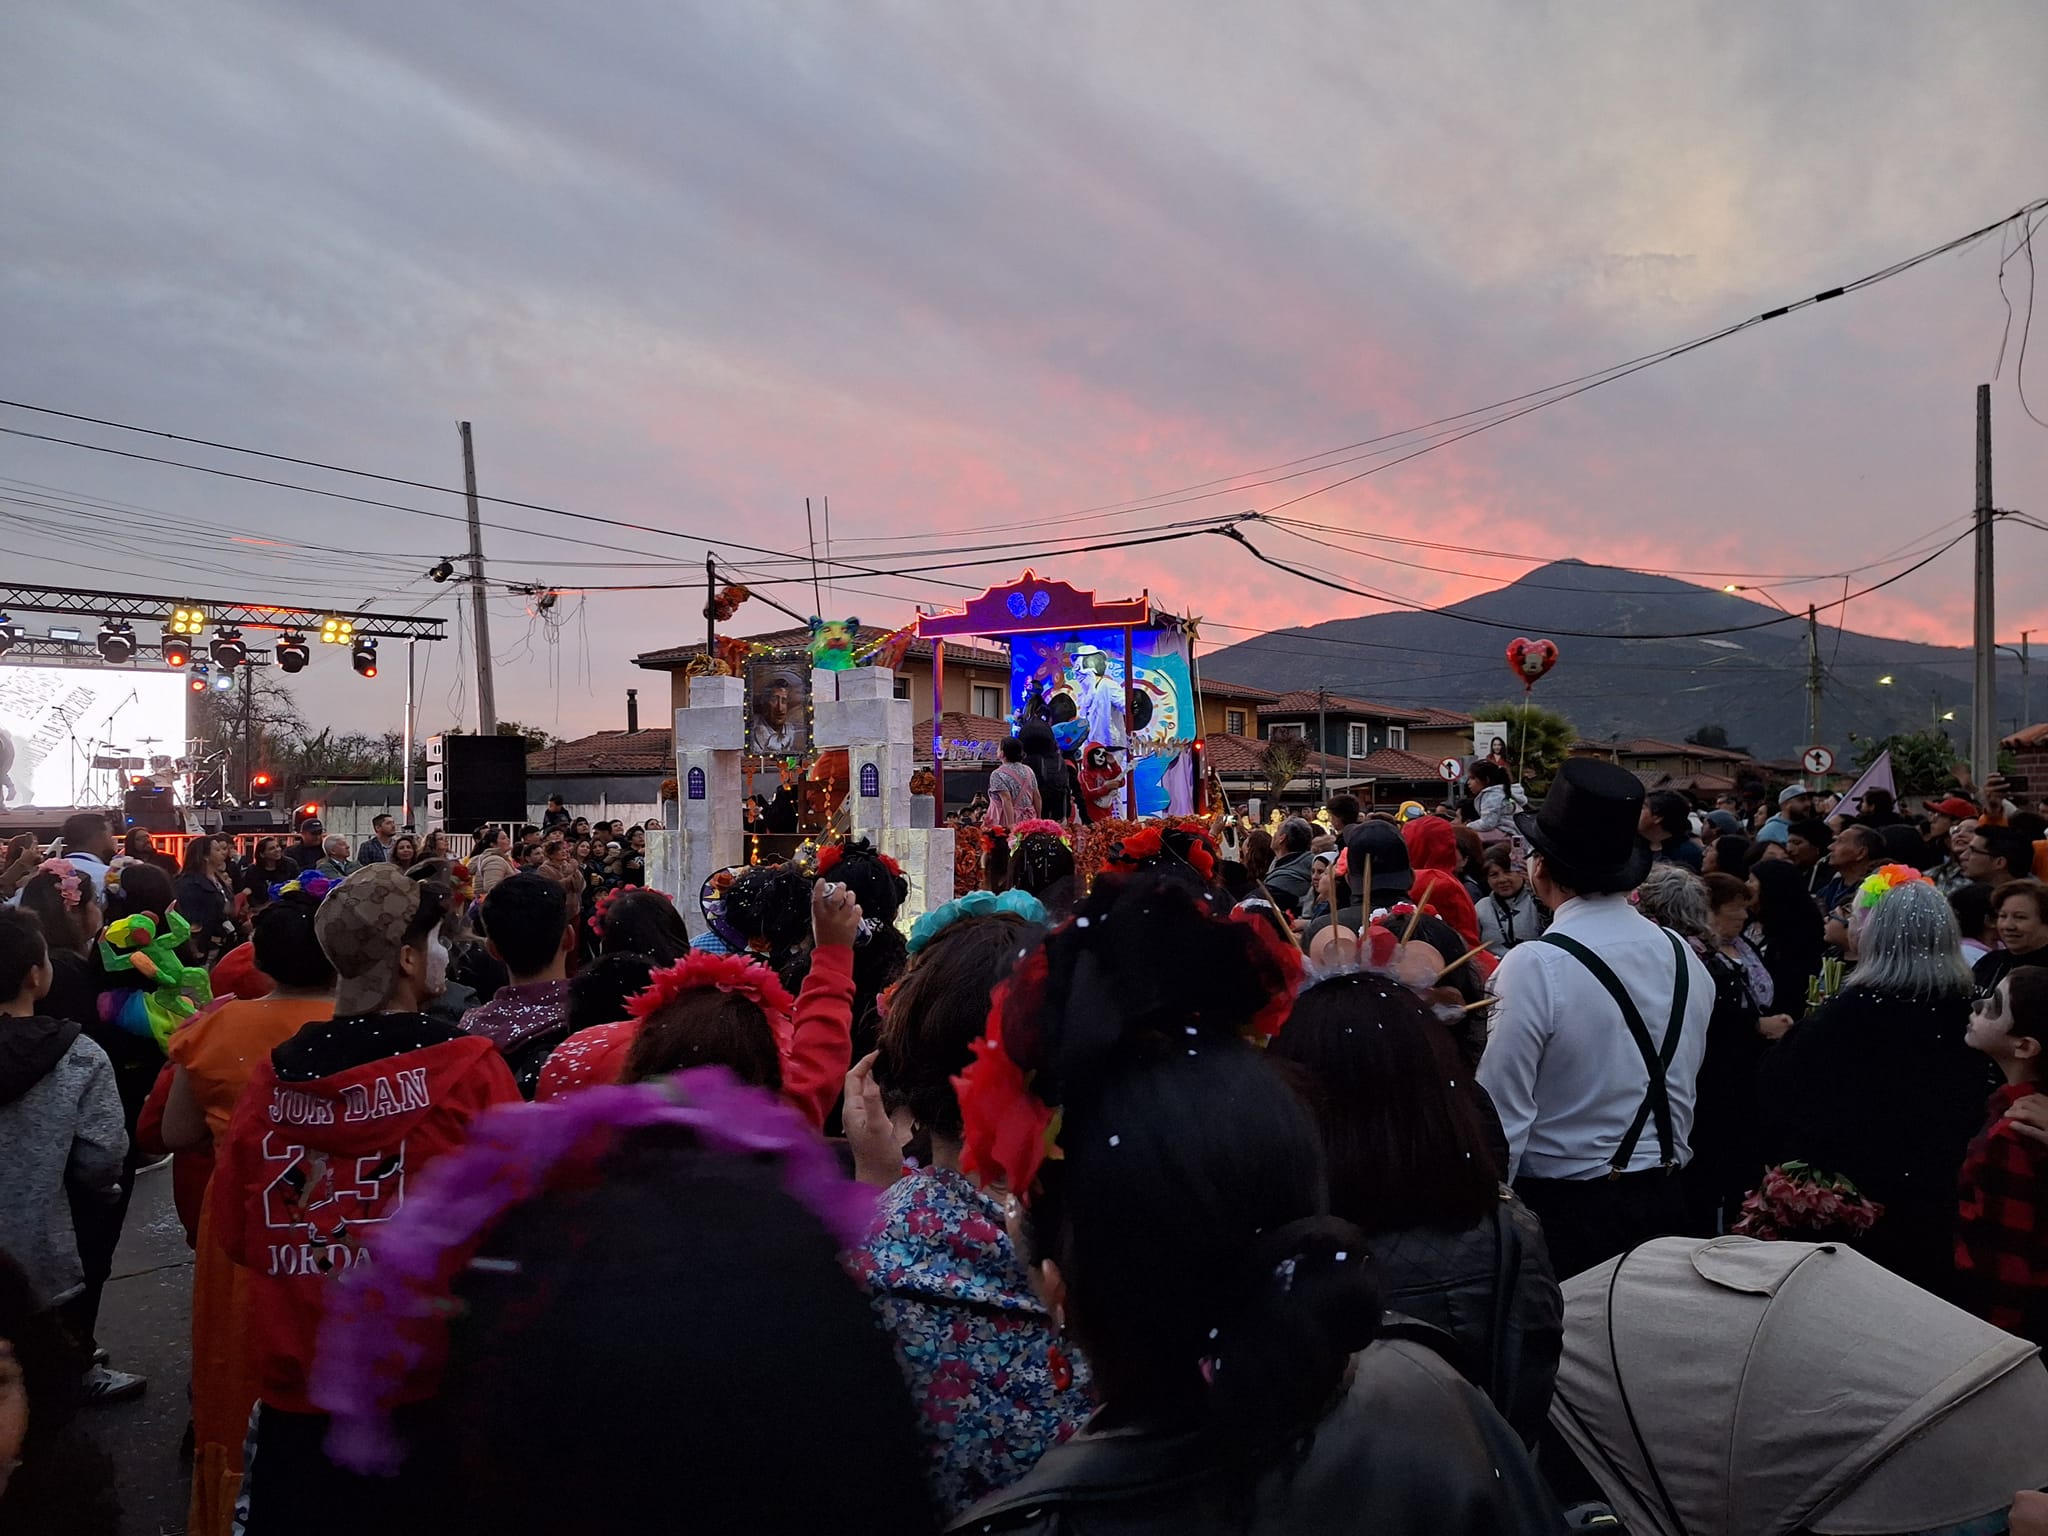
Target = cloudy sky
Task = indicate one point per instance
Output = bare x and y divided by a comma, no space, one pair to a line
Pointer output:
971,270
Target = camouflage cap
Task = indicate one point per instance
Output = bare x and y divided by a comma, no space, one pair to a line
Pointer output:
362,926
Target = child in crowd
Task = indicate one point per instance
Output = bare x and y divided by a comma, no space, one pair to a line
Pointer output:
2002,1231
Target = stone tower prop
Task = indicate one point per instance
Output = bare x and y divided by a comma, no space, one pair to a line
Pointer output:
855,709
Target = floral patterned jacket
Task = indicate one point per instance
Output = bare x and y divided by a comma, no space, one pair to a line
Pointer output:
994,1385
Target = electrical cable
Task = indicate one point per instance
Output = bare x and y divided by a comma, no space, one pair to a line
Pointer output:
1237,535
1526,402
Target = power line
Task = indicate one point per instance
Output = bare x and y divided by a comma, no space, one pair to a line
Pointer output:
1237,535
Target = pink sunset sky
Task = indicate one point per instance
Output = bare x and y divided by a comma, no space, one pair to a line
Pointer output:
957,266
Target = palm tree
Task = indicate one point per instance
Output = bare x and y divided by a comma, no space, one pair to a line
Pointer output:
1281,760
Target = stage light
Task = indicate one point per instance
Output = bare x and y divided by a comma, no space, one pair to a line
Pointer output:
69,634
441,570
227,649
177,652
8,634
337,631
291,652
224,682
196,680
364,657
259,781
116,640
188,619
310,809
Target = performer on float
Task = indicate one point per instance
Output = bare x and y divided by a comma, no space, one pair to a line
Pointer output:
1102,702
1102,783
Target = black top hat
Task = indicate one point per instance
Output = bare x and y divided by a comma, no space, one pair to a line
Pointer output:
1587,829
1392,874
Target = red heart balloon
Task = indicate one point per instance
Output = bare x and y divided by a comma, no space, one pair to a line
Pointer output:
1531,659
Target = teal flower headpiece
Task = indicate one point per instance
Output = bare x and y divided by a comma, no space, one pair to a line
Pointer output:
975,904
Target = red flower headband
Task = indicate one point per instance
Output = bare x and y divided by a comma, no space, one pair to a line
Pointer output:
604,902
1150,843
699,972
1008,1132
830,855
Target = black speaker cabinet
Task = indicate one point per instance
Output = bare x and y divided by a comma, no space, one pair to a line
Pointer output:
151,809
483,778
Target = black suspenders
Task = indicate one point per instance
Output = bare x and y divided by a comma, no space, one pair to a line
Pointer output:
1656,1059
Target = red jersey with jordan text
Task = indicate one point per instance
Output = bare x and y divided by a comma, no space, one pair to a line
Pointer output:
313,1166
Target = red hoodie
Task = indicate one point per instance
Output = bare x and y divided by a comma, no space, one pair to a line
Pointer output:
312,1165
1433,852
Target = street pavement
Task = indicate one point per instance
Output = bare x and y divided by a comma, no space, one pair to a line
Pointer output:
145,1321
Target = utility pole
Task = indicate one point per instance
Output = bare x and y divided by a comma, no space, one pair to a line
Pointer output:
1984,697
248,730
1814,780
710,609
405,773
1322,743
486,695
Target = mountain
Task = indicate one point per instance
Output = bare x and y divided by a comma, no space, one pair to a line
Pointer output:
1616,677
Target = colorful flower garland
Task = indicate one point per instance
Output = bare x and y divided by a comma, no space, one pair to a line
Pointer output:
1882,881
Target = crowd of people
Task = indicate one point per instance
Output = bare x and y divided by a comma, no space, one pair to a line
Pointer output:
1242,1187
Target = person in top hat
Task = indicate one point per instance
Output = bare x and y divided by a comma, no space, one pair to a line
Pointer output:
1597,1039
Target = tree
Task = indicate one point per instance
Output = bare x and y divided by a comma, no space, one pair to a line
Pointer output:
1710,736
1538,740
1923,762
1281,759
536,737
274,725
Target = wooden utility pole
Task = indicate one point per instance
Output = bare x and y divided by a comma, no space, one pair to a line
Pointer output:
1984,696
1814,780
486,694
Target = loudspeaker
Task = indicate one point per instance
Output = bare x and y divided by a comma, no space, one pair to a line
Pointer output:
484,776
151,809
251,818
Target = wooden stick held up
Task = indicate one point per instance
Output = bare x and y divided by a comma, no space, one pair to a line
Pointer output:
1476,949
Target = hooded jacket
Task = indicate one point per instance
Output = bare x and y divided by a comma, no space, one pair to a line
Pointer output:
1433,851
61,1133
327,1137
1407,1446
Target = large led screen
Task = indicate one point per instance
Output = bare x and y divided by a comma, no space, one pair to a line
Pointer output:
1076,679
69,734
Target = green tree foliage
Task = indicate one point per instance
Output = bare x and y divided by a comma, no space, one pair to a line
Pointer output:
536,737
1538,739
1923,762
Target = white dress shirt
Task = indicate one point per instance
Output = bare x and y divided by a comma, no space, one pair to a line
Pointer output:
1560,1064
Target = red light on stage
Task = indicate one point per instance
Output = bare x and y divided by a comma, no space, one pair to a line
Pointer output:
260,781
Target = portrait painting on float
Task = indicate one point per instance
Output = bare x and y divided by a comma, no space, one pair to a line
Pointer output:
778,706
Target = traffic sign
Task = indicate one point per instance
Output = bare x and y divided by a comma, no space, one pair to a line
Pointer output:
1818,759
1450,770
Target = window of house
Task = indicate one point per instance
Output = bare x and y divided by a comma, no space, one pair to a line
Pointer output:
988,701
902,687
1292,730
1397,737
1360,743
1233,721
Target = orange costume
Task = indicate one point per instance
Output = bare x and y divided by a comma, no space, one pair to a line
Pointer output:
218,1051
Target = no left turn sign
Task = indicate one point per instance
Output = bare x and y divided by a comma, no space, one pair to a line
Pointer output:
1818,760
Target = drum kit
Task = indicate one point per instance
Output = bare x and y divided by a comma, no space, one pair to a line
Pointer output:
117,769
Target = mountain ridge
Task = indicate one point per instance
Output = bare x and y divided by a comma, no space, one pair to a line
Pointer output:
1630,664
